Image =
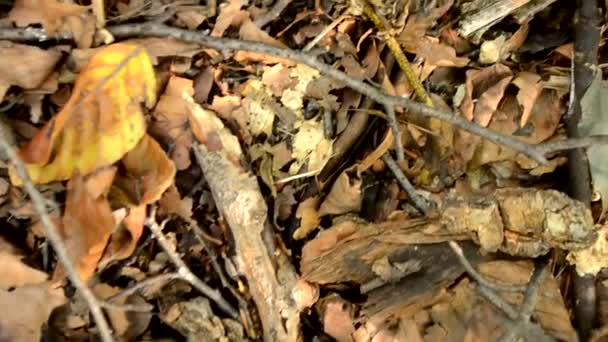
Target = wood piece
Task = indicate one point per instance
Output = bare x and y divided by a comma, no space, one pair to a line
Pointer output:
270,277
527,11
481,14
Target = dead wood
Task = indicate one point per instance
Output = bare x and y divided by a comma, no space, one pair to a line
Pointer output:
270,277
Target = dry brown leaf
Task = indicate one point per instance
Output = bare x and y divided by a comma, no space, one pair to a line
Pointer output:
31,306
437,54
171,114
309,217
345,195
529,88
14,273
127,325
25,66
87,222
52,14
338,317
172,203
484,90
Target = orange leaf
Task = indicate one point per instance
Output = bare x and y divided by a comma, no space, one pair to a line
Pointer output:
87,221
101,121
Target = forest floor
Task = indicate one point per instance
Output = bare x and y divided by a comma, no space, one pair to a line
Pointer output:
290,170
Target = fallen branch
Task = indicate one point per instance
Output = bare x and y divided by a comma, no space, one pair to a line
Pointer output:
55,239
227,44
270,276
586,42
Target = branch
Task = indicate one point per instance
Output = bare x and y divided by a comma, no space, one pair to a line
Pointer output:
227,44
51,233
586,42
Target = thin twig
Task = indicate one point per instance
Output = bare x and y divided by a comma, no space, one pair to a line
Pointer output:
419,202
276,10
143,284
400,57
478,277
227,44
200,235
394,125
530,300
55,239
184,272
126,307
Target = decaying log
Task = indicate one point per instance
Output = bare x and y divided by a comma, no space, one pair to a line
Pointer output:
399,264
270,277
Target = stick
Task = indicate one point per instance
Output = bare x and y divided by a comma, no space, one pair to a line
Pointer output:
51,233
586,41
227,44
478,277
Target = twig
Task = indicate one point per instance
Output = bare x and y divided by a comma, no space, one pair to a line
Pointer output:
55,239
323,33
143,284
530,300
586,42
201,236
478,277
419,202
521,325
273,14
125,307
227,44
400,57
184,272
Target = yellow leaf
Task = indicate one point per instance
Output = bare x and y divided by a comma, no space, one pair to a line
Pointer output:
100,123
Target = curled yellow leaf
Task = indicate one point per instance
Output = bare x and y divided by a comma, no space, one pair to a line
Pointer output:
102,120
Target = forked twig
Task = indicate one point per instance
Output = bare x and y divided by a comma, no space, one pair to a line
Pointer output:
184,272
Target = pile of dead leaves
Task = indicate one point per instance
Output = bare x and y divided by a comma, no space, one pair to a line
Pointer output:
271,179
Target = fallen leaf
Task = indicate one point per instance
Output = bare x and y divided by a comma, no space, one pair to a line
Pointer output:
345,195
25,66
50,13
483,92
529,88
311,148
257,104
87,222
591,260
101,121
308,214
15,273
594,121
171,124
32,305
